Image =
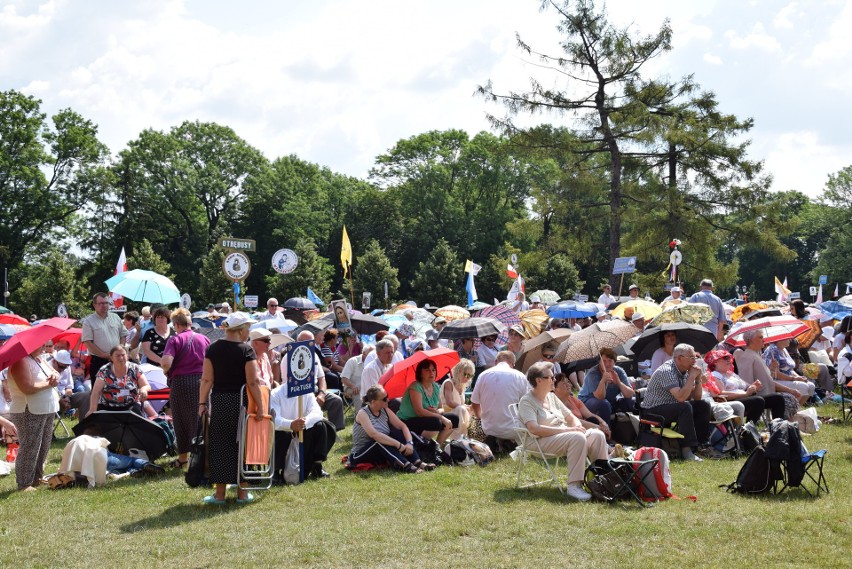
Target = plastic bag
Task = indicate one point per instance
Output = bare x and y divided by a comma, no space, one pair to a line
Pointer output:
292,464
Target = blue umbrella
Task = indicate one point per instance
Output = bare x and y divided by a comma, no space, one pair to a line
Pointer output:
7,331
572,310
144,286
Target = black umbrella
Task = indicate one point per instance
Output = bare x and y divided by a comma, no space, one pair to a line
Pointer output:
475,327
763,312
361,323
125,430
299,303
697,336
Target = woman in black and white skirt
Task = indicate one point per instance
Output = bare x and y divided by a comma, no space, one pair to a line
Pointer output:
228,366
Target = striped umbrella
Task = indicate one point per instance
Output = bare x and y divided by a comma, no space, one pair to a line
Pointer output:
505,315
775,328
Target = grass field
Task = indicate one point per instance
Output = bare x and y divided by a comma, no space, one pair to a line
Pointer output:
452,517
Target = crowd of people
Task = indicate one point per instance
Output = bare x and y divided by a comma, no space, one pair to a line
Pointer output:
571,414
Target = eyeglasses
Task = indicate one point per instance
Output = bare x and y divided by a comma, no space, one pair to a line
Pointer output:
489,339
547,356
468,375
385,399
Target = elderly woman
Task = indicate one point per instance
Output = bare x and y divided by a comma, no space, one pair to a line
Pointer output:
754,371
228,367
783,366
154,340
726,386
558,430
348,347
421,409
183,362
452,395
516,341
260,343
120,385
379,437
34,405
668,341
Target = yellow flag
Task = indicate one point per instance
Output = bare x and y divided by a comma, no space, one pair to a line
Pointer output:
345,251
468,267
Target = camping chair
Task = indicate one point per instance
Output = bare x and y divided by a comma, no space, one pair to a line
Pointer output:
60,428
528,447
653,431
845,401
811,462
349,409
256,441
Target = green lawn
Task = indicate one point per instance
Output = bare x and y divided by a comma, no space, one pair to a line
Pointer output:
448,518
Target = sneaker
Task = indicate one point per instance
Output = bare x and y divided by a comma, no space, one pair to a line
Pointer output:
576,491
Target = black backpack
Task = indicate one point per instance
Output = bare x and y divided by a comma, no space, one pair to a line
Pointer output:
755,476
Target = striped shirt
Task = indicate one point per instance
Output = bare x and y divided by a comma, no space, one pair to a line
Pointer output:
360,439
665,378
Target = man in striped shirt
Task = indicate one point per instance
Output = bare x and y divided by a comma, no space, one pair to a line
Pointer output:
674,392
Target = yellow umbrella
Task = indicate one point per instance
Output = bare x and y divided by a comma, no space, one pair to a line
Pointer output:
738,311
534,322
648,309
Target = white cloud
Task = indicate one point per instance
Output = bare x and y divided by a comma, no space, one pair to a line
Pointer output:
712,59
801,161
782,18
756,38
835,46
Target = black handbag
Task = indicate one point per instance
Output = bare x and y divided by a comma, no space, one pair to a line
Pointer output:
196,472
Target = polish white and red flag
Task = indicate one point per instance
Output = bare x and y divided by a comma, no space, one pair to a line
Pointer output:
120,267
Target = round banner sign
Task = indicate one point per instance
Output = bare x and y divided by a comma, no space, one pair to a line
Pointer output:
285,261
236,266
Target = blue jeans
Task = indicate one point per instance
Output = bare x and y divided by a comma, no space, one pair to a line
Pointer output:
119,463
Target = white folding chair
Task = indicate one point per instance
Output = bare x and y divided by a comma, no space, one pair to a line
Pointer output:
528,448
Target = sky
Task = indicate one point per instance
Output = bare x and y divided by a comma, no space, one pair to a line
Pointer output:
338,83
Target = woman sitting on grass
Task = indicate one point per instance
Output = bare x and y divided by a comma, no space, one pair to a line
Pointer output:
119,386
452,395
421,409
558,430
379,437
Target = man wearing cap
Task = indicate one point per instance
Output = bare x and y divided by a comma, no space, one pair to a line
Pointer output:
706,296
438,324
225,309
673,298
606,298
102,331
271,310
638,320
633,291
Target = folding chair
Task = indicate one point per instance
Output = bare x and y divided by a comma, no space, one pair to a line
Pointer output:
349,409
845,401
527,448
256,441
811,461
60,429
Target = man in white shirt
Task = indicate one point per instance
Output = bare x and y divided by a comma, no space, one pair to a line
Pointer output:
633,291
495,389
271,310
673,298
352,372
606,298
319,435
379,365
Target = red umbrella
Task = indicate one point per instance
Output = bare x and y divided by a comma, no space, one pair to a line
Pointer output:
27,341
397,379
72,336
13,319
775,329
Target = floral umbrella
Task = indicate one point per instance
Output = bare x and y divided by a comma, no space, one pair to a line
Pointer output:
505,315
452,312
534,322
547,296
690,313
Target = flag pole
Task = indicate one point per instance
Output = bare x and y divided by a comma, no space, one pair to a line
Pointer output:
351,287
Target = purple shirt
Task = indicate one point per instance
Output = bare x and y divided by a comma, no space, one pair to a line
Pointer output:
190,361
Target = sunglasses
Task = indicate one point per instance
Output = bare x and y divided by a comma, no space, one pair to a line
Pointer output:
547,356
385,399
264,340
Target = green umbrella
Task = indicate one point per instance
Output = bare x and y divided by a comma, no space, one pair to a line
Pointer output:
4,310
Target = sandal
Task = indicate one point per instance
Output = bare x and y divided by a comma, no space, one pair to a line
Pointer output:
428,466
213,501
247,500
178,463
412,469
